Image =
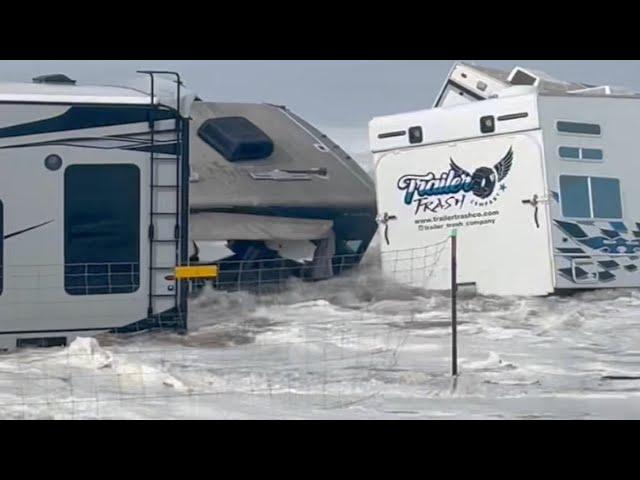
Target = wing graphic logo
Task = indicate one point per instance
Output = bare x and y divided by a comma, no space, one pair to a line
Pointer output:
483,183
484,179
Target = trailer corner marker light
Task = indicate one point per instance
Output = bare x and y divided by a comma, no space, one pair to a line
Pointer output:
187,273
487,124
415,135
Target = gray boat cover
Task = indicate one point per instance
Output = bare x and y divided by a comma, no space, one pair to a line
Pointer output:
233,226
305,170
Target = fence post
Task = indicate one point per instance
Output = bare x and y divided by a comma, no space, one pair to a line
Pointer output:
454,305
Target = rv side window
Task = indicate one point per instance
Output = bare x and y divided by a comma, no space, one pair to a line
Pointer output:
578,128
574,194
591,154
102,229
605,194
576,153
569,153
590,197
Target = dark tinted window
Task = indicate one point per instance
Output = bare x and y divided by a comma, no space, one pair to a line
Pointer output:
590,197
605,194
579,128
576,153
569,152
574,194
102,229
592,154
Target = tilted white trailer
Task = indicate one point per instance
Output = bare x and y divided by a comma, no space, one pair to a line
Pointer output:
536,176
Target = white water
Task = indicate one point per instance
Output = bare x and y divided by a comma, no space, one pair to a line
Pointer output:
352,347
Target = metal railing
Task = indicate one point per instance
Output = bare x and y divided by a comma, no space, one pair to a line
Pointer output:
101,278
270,275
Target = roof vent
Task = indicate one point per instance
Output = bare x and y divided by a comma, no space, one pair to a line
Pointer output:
57,78
236,138
520,76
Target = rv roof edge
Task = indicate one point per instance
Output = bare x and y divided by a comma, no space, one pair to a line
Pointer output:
136,91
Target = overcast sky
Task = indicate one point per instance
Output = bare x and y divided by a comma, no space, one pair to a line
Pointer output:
328,93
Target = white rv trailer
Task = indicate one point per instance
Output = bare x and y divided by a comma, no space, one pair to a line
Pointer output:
105,190
537,176
93,208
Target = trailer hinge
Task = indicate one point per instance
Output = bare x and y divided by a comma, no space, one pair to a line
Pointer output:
151,232
176,232
534,202
385,221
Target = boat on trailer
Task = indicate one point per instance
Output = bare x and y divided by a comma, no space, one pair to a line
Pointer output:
273,197
536,175
96,201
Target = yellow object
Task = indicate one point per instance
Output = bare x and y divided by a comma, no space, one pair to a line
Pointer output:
187,273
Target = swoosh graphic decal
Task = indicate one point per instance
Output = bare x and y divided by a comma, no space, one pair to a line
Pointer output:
83,117
27,229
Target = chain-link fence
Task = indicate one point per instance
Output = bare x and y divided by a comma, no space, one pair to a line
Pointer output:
264,342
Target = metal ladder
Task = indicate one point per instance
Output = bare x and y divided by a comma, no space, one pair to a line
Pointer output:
165,207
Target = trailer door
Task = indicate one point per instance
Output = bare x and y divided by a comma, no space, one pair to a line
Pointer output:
492,191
